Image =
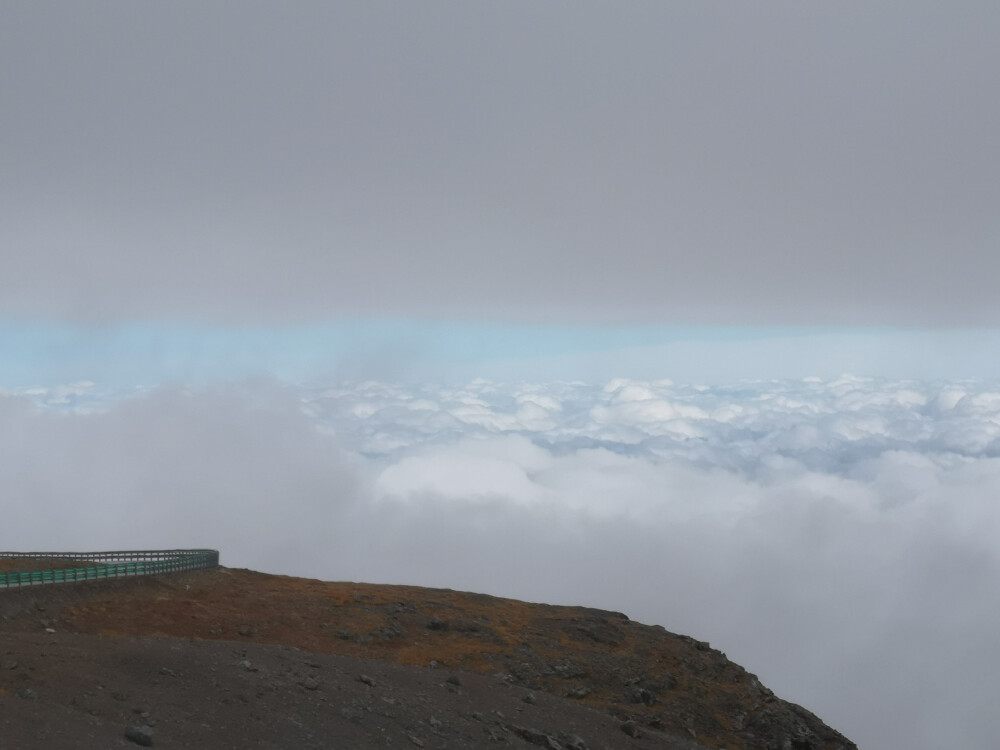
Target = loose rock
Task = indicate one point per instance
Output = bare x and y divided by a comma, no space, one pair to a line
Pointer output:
139,735
537,738
631,729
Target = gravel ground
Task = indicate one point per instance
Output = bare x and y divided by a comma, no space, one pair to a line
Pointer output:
73,692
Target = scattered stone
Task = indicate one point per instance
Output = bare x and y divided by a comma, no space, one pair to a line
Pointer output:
556,656
50,630
631,729
642,695
569,670
537,738
351,715
415,740
388,633
598,631
139,735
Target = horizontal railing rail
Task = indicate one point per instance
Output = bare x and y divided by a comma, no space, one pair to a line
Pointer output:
109,564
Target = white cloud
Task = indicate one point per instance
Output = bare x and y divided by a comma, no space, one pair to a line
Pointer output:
497,468
835,537
824,533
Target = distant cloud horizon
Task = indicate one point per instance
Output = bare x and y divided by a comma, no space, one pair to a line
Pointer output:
414,350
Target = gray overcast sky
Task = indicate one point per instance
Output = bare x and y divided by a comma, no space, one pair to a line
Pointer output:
779,162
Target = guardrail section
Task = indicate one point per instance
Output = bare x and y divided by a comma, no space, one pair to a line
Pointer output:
112,564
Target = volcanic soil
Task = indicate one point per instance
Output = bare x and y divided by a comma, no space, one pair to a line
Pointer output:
228,658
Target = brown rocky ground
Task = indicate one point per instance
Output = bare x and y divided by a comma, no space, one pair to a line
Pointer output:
234,658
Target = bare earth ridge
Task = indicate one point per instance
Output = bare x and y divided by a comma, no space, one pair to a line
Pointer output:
233,658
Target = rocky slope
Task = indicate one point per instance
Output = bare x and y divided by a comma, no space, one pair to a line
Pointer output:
225,650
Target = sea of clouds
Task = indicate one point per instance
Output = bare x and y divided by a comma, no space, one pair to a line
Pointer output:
837,537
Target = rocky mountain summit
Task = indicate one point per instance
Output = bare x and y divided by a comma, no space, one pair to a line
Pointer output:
234,658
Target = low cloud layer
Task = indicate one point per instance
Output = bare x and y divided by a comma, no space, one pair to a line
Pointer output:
836,537
244,472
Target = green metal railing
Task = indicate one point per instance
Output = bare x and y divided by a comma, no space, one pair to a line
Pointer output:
110,565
